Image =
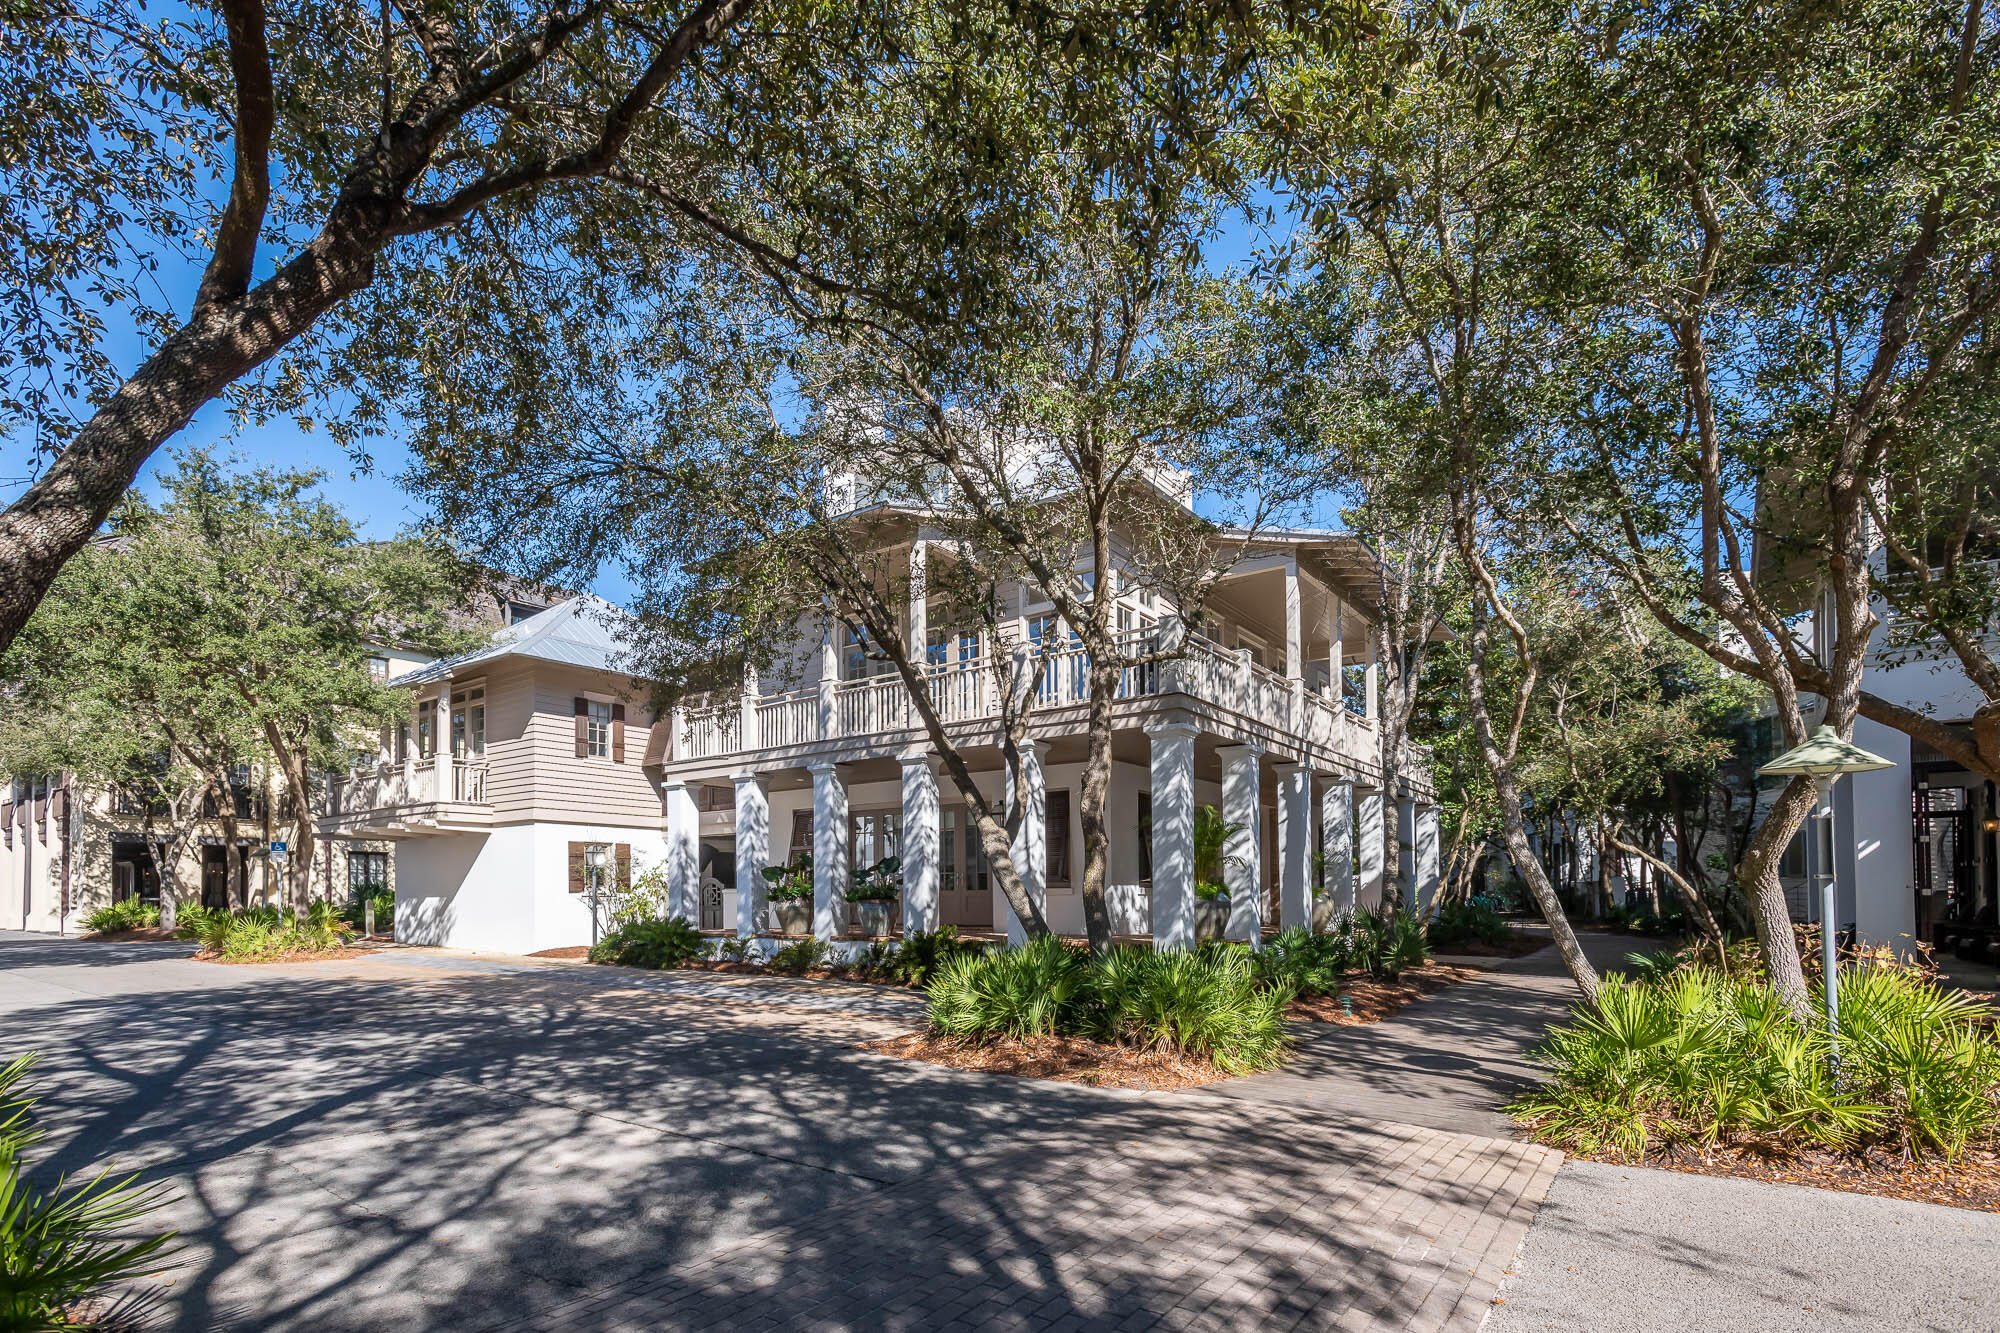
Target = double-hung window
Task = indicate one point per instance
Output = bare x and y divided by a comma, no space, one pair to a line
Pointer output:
597,736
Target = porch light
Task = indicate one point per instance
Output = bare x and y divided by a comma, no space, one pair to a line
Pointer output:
1823,758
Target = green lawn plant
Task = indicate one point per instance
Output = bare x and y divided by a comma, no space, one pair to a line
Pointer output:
651,942
1696,1059
74,1245
131,914
792,882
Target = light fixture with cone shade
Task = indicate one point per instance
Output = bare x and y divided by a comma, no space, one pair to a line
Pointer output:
1824,757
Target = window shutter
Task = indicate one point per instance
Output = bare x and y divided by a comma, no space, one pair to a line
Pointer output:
802,832
7,819
624,853
618,733
1058,836
582,727
576,867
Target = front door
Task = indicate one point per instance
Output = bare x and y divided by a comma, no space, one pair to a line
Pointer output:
965,886
215,878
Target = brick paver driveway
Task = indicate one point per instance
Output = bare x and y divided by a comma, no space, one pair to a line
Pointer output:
420,1141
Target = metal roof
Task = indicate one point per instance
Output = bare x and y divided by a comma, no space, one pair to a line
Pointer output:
581,632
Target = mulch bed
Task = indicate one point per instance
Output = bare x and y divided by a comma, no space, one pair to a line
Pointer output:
302,956
1371,999
1519,945
1058,1059
1971,1182
154,934
567,951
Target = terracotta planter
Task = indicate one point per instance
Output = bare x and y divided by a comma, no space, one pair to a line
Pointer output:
794,916
876,917
1211,918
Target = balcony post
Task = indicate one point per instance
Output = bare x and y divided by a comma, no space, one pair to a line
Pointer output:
1172,832
441,736
1336,654
1295,844
829,677
1031,841
1172,673
1336,814
746,720
830,851
753,851
1368,824
1242,859
917,644
1374,686
683,853
1427,856
920,841
1295,645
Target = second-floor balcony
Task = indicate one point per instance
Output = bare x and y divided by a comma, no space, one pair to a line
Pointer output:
420,796
1226,690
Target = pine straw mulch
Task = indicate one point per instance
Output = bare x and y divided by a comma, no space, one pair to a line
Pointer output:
1973,1181
295,956
151,934
1372,999
1058,1059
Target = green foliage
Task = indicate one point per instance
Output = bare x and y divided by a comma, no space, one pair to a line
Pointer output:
792,882
800,957
1468,922
881,882
1210,1003
925,952
731,949
651,942
130,914
1696,1058
1383,943
264,934
1302,962
67,1246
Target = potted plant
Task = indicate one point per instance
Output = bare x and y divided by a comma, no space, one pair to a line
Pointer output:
1211,900
874,894
791,895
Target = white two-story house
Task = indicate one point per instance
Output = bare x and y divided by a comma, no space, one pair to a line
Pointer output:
1269,716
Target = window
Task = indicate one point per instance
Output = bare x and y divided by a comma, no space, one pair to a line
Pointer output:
378,668
367,873
427,729
597,736
520,611
874,835
947,849
1058,836
977,870
468,723
1145,837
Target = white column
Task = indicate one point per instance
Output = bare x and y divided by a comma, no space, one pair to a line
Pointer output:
1173,833
1031,840
1295,637
829,676
830,874
920,843
1374,682
1406,852
441,735
753,851
746,719
1368,823
1427,856
1336,814
1336,652
1295,844
918,643
1242,863
683,852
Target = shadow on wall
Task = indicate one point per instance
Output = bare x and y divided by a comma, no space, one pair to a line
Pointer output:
427,920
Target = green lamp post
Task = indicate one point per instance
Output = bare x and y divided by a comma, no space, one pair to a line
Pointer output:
1823,758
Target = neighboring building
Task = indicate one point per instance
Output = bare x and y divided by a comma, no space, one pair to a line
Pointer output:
516,789
1270,717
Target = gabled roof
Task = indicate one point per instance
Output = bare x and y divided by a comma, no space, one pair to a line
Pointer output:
581,632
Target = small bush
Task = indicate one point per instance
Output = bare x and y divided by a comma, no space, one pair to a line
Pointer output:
800,957
1030,991
356,911
924,952
65,1247
1697,1057
1474,922
651,942
130,914
1308,964
790,883
731,949
264,934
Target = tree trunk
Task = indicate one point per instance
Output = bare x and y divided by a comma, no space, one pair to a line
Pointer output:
1091,802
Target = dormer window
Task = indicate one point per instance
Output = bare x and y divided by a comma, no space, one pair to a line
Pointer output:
520,611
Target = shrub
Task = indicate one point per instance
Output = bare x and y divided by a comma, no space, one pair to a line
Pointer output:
384,901
1030,991
65,1247
800,957
879,883
1697,1057
732,949
1385,943
1467,923
1308,964
1208,1003
790,883
651,942
197,922
130,914
924,952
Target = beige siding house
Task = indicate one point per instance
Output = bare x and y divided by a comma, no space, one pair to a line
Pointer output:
517,794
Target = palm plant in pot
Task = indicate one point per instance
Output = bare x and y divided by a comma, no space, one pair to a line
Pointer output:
874,894
1211,899
791,894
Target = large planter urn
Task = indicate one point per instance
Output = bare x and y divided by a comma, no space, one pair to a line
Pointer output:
1211,918
1326,915
877,917
794,916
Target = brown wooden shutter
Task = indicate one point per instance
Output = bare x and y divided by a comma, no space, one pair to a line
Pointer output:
802,832
576,867
618,733
582,727
7,819
624,854
1058,836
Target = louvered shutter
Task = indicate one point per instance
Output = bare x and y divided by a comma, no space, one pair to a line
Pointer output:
582,727
576,883
618,733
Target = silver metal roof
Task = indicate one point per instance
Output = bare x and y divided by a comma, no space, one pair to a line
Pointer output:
581,632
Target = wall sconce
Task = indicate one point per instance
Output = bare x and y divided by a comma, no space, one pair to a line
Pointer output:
1993,826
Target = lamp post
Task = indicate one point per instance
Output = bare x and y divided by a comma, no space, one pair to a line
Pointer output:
1823,758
